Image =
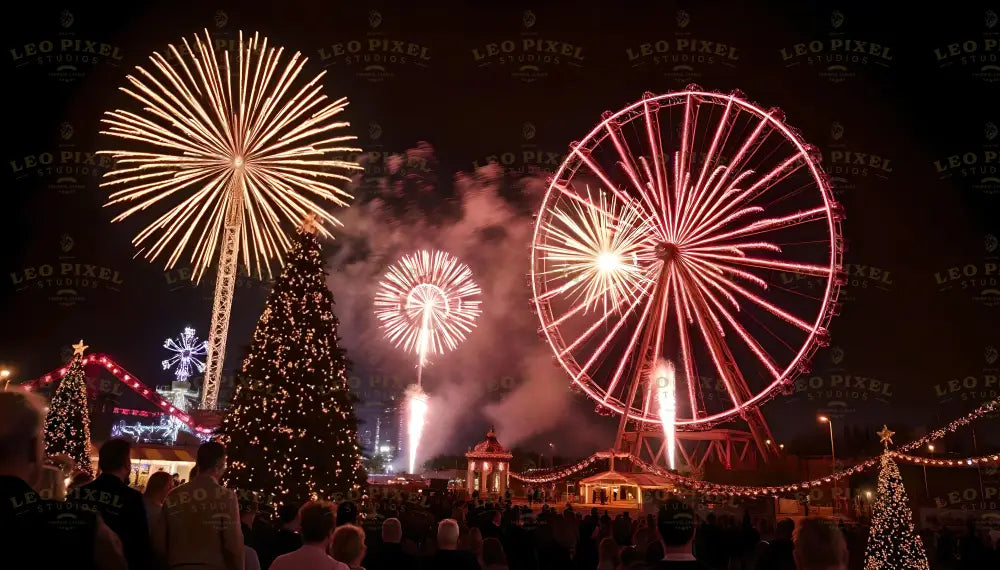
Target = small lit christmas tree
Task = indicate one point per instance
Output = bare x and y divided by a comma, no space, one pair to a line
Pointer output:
892,542
291,429
67,424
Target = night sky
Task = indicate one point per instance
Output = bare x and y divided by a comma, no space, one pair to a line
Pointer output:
902,102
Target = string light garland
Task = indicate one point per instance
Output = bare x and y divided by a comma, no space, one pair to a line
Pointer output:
935,462
291,429
67,423
555,474
992,405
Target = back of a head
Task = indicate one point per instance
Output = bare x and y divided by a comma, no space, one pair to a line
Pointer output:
249,503
347,513
447,534
675,522
392,530
819,545
114,454
784,529
287,512
210,456
348,543
317,520
158,482
493,552
23,415
608,550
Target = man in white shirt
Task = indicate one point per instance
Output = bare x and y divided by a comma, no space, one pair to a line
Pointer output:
200,520
317,520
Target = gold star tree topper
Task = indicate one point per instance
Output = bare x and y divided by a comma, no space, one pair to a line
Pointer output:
79,347
886,435
310,224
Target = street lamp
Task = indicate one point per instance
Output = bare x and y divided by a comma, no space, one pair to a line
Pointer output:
833,459
5,376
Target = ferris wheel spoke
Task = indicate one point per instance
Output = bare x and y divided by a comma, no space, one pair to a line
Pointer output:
718,207
749,295
819,214
687,357
699,190
800,268
599,172
625,157
776,174
711,333
662,188
708,282
597,324
746,150
571,194
611,335
682,160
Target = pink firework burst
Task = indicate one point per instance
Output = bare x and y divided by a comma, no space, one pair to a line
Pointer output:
427,303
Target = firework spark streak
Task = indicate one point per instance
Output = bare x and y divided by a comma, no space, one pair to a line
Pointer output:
670,232
427,303
187,351
416,418
222,133
666,385
231,146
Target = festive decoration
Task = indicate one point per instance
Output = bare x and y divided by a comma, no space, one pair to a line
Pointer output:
236,147
954,425
79,348
936,462
291,429
187,351
426,304
885,436
676,217
67,424
165,431
892,542
127,378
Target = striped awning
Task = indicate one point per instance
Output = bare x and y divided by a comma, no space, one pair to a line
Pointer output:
161,453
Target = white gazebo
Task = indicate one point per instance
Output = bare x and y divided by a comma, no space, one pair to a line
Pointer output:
489,467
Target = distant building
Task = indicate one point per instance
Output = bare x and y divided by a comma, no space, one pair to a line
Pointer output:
382,428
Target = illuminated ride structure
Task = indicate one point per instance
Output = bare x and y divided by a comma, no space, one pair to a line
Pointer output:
665,240
162,400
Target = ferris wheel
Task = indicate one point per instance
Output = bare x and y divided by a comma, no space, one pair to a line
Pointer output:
675,230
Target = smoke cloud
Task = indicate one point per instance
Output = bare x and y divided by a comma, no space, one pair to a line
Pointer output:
485,219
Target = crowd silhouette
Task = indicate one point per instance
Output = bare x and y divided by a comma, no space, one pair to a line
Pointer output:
52,518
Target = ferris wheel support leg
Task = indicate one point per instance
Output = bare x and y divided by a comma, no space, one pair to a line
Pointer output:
222,304
761,434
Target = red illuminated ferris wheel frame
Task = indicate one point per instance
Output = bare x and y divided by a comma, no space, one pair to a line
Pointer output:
659,269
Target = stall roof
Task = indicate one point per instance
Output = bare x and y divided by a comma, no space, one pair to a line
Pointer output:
643,480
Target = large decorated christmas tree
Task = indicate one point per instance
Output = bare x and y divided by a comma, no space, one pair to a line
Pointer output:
892,542
291,432
67,424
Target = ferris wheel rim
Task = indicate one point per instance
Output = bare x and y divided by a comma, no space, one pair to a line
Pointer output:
823,315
